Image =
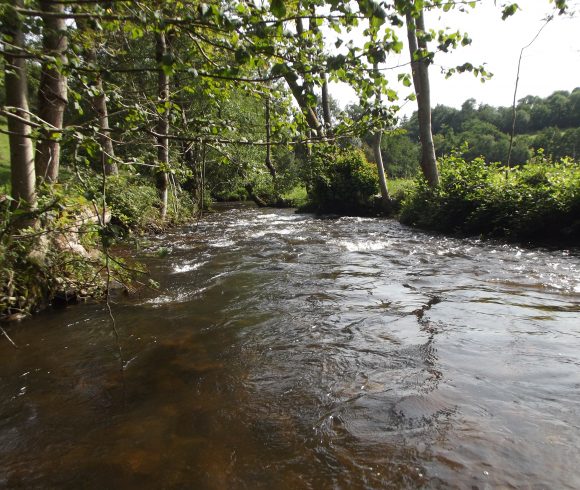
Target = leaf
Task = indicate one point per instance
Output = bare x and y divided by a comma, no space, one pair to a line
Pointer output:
509,10
278,8
279,69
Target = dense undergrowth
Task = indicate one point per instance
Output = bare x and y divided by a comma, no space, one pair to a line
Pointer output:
67,252
538,201
341,181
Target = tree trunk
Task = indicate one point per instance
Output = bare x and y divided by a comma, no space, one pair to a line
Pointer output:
301,99
22,173
108,164
99,102
163,123
376,143
376,146
326,107
300,93
420,70
52,91
268,162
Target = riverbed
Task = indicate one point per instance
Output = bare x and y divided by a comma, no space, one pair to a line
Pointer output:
289,351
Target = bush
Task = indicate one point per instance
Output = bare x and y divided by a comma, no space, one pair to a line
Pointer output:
341,181
538,200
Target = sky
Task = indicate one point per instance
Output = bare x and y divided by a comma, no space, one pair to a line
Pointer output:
551,63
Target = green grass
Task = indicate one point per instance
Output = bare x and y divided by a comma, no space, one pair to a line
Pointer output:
296,196
399,188
4,161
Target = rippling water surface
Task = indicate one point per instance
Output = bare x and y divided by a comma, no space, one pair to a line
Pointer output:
285,351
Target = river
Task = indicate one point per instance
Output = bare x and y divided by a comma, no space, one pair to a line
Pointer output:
284,351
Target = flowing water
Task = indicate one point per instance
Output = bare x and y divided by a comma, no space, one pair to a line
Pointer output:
288,352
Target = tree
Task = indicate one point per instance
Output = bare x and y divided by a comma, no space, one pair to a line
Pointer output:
420,60
52,92
107,162
22,172
376,137
164,104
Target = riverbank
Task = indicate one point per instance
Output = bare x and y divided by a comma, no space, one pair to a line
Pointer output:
66,253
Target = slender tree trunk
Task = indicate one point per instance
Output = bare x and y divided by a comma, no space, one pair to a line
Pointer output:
99,102
377,137
108,164
162,124
420,70
268,162
300,93
326,107
52,91
376,144
23,176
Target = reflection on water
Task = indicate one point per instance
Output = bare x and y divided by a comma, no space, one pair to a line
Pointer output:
285,351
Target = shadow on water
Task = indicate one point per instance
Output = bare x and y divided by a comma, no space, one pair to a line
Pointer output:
284,351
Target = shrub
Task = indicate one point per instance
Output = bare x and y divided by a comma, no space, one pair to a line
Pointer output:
341,180
540,199
134,203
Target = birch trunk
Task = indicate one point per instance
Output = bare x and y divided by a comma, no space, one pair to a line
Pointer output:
22,173
162,124
52,91
420,72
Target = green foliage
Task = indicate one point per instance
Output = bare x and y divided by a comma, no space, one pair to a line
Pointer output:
341,180
65,253
133,202
400,188
536,201
39,263
400,155
557,143
130,199
296,197
550,123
